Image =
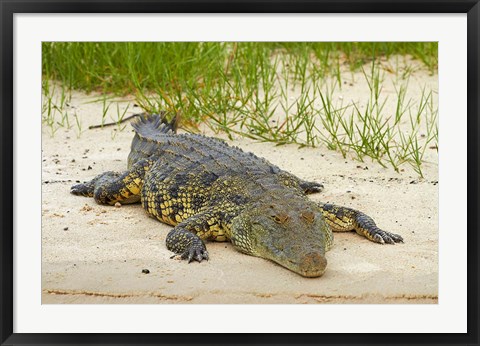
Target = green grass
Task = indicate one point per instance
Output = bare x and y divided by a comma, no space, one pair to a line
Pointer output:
125,67
278,92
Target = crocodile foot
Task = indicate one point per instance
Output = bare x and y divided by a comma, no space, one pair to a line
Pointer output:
87,189
311,187
187,244
382,237
82,190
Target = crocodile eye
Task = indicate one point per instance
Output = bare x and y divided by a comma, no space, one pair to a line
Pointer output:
280,218
308,216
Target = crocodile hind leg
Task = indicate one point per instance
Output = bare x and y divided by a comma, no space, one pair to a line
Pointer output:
342,219
112,187
87,189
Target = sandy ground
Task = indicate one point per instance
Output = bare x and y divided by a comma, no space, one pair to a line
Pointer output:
95,254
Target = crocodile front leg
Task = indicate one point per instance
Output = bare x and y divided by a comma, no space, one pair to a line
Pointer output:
186,239
342,219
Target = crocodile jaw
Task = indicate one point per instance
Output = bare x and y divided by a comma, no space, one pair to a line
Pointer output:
313,265
284,237
310,262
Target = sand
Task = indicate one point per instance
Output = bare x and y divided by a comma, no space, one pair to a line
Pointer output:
96,254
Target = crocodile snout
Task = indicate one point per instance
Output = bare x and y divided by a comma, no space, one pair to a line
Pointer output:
313,265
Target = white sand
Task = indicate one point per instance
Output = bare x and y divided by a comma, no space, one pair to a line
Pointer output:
100,257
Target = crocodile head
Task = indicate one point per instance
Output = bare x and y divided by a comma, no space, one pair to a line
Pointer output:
290,231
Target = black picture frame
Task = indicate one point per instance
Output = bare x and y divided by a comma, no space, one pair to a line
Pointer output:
9,8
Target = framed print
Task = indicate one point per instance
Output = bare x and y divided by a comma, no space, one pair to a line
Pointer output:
284,172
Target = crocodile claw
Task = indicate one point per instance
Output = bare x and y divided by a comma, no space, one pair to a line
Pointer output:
315,188
85,189
310,187
196,252
187,244
396,238
383,237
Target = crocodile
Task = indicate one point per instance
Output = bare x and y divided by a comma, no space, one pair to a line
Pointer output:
209,190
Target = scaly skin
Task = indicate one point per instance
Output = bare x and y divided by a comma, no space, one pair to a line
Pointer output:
209,190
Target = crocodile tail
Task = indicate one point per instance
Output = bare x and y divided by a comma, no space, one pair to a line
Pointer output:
150,130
